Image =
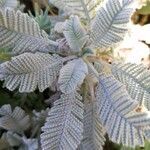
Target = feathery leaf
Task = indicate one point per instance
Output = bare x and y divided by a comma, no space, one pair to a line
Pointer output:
93,135
8,3
117,112
110,23
75,34
22,142
72,75
63,128
22,34
84,8
31,70
137,81
15,120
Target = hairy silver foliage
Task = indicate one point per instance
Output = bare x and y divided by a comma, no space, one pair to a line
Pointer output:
71,69
23,143
93,135
117,112
72,75
22,34
75,34
29,71
8,3
137,81
64,126
15,120
83,8
59,27
110,23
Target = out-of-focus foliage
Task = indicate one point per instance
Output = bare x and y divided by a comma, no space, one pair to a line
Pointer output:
145,10
146,147
134,48
142,14
42,18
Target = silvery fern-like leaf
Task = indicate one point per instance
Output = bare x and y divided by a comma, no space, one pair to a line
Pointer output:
64,126
137,81
13,139
75,34
29,144
56,19
117,112
22,34
72,75
110,23
59,27
15,120
22,142
8,3
29,71
93,135
84,8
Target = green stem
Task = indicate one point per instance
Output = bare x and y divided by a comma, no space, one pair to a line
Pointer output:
23,99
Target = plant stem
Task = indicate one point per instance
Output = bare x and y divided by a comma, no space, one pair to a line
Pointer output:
34,132
91,67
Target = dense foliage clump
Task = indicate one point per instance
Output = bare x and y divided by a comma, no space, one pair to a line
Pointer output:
91,98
